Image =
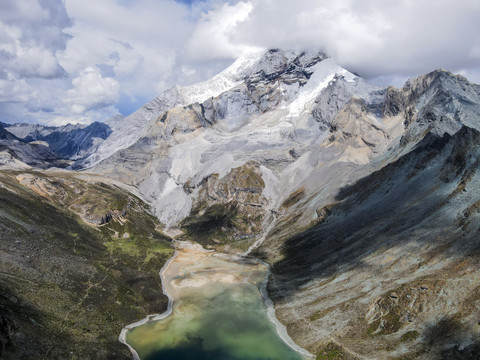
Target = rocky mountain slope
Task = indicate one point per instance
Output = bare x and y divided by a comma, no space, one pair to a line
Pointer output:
77,143
388,269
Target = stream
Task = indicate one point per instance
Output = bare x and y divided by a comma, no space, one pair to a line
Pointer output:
216,311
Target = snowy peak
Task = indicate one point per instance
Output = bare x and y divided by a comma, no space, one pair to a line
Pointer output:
266,116
5,134
253,71
29,132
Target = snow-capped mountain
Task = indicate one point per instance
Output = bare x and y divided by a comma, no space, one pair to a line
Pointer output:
129,129
264,110
330,179
363,199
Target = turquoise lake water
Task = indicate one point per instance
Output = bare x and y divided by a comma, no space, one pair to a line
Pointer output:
218,313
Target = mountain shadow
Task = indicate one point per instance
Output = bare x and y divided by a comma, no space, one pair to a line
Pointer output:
428,195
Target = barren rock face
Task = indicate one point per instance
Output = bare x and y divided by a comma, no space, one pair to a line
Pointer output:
242,185
228,209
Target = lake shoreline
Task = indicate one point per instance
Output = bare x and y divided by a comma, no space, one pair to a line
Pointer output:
280,328
197,250
154,317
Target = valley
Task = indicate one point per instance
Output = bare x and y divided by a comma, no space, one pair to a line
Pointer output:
362,200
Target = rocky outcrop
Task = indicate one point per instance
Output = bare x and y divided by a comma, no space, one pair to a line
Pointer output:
228,209
118,215
358,132
106,218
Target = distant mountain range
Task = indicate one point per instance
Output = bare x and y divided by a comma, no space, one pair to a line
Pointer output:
34,144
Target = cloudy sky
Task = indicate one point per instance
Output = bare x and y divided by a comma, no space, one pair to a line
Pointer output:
84,60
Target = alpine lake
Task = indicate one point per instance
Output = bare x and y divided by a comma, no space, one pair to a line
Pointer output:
217,312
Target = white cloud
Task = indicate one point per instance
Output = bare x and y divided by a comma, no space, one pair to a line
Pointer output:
19,11
36,62
87,117
15,90
91,91
26,58
213,36
83,60
139,40
101,50
372,37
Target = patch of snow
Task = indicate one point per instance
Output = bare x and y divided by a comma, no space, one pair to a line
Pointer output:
174,205
39,142
324,72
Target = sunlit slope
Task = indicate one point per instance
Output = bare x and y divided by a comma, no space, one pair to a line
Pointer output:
68,283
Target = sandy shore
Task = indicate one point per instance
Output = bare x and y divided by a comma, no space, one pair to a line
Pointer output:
281,329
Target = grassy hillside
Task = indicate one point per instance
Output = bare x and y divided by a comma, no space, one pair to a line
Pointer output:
68,283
